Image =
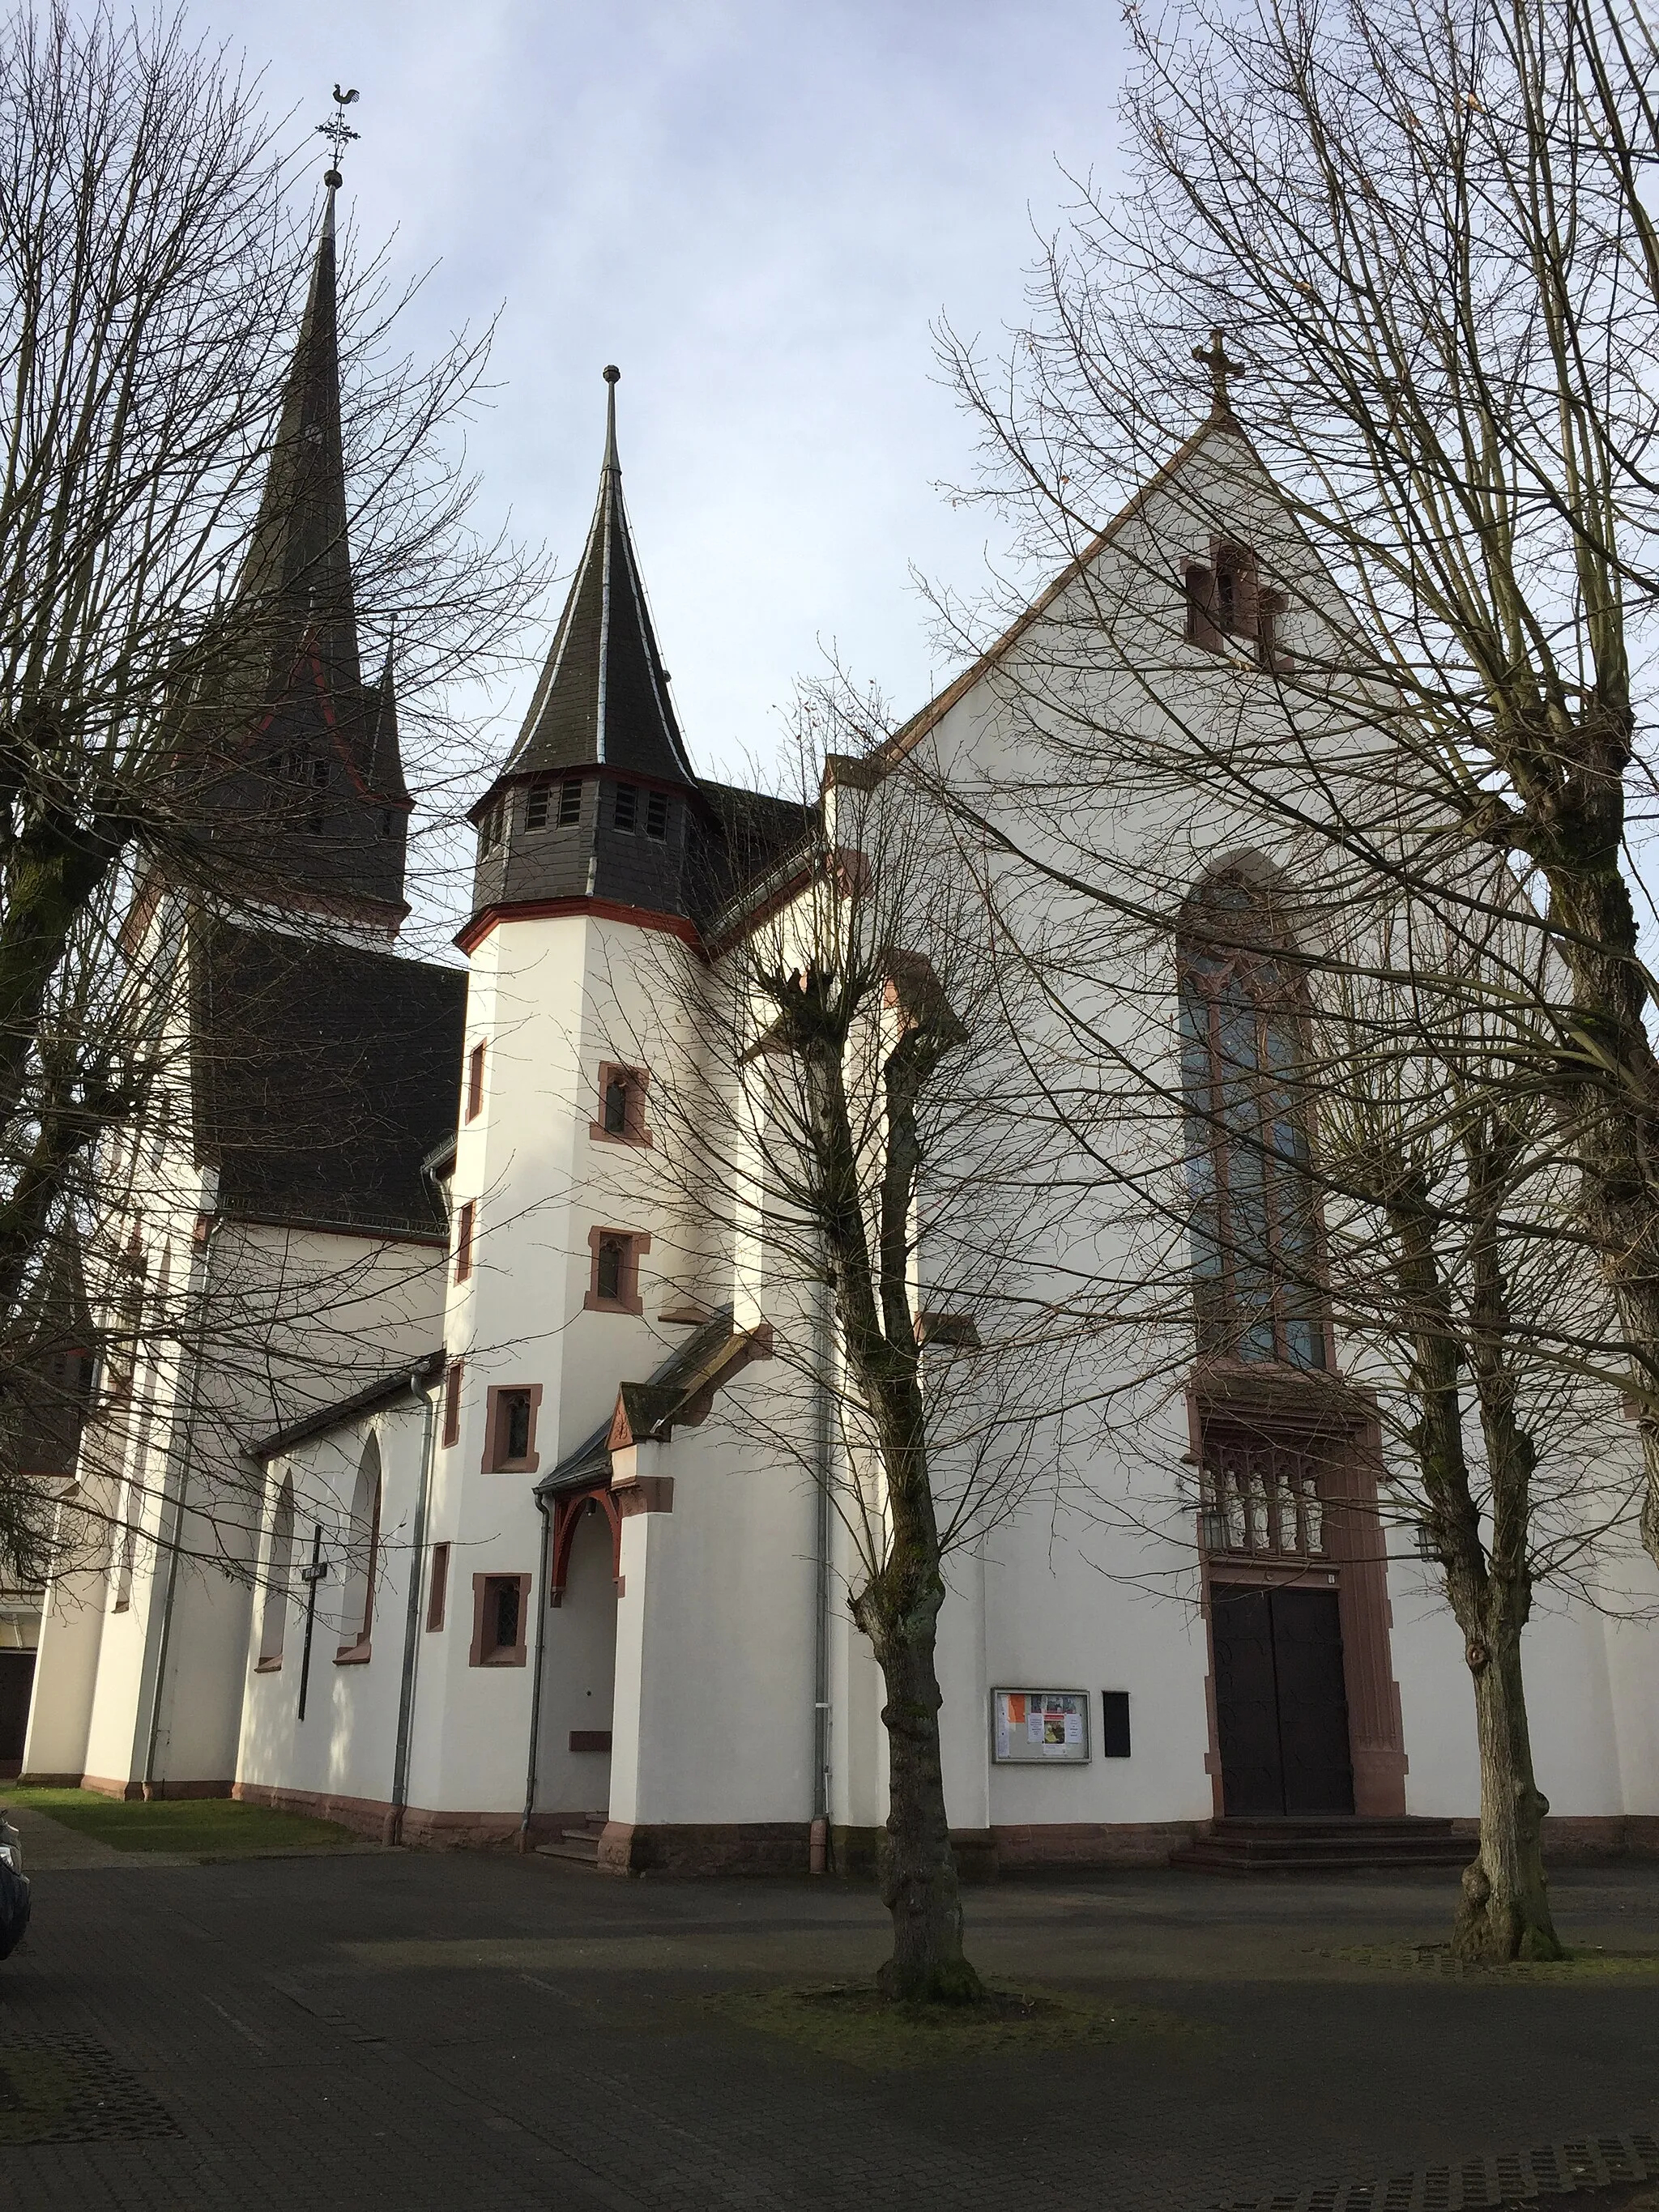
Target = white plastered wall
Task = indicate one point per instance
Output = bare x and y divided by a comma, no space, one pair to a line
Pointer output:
345,1746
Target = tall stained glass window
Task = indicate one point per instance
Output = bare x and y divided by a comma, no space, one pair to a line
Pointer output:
1254,1210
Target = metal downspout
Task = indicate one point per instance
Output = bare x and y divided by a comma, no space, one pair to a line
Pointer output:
538,1598
820,1857
147,1779
394,1820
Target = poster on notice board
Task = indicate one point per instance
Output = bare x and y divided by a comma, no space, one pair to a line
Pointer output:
1037,1727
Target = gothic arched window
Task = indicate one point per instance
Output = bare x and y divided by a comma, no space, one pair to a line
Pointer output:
362,1558
1256,1218
279,1568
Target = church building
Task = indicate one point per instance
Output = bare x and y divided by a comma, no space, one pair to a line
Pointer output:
433,1523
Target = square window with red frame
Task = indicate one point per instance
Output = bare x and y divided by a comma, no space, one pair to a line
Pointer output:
622,1105
613,1284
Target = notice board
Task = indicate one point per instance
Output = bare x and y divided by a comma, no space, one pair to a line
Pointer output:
1040,1728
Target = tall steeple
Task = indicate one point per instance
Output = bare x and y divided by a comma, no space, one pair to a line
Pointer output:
598,798
300,560
315,750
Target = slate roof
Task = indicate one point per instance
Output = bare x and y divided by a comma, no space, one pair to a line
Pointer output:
322,1075
753,835
397,1383
603,697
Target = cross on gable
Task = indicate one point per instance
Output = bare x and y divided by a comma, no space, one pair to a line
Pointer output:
1214,358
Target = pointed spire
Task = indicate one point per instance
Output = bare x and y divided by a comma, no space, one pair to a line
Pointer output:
385,764
318,746
603,697
299,562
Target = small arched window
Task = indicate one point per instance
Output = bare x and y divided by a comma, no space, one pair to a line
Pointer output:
361,1558
279,1569
1257,1286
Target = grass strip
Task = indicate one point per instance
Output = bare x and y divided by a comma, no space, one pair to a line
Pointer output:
850,2021
198,1827
1585,1963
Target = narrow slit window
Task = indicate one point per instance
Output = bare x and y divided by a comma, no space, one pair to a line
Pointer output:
452,1403
656,814
474,1082
505,1622
616,1106
608,1272
464,1240
1203,622
437,1595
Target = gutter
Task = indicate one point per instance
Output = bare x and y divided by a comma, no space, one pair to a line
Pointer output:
394,1820
819,1855
540,1600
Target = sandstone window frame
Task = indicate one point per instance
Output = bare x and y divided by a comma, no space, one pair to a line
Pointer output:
634,1082
487,1648
631,1246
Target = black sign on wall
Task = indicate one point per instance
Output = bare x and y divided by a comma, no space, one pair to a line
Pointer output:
1115,1723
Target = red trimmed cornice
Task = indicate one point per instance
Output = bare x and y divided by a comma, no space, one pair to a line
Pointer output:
642,917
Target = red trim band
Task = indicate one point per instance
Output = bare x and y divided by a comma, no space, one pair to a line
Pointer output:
642,917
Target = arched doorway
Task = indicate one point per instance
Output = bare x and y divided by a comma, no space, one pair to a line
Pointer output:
580,1664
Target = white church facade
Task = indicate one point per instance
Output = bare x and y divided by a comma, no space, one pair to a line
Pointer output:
496,1567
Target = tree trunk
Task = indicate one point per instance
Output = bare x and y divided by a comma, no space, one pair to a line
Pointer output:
919,1884
1504,1912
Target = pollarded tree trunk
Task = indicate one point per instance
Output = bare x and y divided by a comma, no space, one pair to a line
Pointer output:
898,1607
919,1885
1505,1912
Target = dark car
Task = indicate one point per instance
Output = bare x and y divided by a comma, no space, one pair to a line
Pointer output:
13,1889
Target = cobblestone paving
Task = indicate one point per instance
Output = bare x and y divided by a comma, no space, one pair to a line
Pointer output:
430,2031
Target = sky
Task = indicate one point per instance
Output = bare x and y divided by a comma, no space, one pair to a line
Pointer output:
756,209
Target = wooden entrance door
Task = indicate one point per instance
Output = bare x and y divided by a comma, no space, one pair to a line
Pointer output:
1281,1708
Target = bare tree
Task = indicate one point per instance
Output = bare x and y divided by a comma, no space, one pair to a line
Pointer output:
1421,228
168,391
1309,1161
841,1128
1495,1333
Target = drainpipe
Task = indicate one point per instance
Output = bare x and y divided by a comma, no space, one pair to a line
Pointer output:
394,1818
538,1598
818,1860
197,1355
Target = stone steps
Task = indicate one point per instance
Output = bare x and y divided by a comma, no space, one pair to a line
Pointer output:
1339,1844
581,1846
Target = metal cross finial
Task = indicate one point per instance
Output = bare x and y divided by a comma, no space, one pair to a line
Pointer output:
338,133
1214,358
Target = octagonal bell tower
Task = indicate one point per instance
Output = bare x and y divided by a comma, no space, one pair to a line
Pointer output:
597,801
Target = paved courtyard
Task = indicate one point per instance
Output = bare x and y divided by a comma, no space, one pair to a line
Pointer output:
405,2029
